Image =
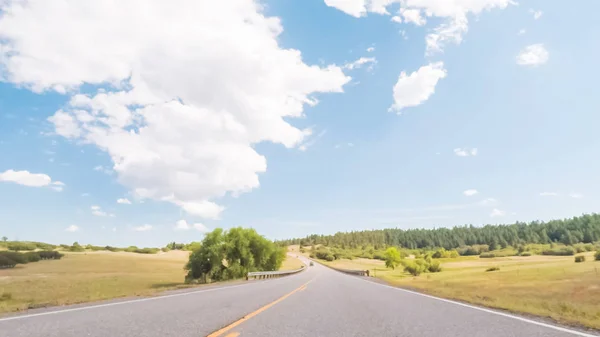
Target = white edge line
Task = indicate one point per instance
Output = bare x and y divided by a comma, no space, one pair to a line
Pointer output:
124,302
550,326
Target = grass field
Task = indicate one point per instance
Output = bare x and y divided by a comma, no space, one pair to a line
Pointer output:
548,286
291,263
85,277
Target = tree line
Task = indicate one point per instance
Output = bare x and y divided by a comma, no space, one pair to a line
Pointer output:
230,254
581,229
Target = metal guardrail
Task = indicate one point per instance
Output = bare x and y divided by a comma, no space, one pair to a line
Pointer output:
272,274
356,272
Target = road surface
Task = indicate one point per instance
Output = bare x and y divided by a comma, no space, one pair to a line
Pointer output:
317,302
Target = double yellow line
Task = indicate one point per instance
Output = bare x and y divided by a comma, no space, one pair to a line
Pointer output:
222,331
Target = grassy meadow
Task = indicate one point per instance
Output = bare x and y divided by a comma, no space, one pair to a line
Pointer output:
90,276
94,276
547,286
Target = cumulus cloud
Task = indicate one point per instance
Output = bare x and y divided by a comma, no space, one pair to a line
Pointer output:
72,228
370,49
548,194
452,12
416,88
27,178
465,152
497,213
576,195
533,55
184,225
470,192
123,201
143,228
185,99
521,32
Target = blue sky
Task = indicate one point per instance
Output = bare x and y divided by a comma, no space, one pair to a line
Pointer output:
505,108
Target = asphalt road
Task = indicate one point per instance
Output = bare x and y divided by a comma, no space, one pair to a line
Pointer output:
317,302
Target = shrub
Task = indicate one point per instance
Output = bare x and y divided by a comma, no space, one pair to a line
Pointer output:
583,247
18,258
378,255
560,251
435,267
487,255
597,256
76,247
493,269
579,258
32,256
146,251
20,246
324,255
165,249
5,262
526,254
50,255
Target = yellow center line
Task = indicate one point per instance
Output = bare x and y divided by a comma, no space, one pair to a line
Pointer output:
254,313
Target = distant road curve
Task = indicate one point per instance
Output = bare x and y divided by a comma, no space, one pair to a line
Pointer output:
316,302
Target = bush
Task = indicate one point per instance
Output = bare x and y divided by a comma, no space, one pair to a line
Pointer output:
526,254
5,297
32,256
597,256
146,251
579,258
493,269
583,247
560,251
18,258
324,255
473,250
76,247
20,246
5,262
165,249
50,255
487,255
379,256
435,267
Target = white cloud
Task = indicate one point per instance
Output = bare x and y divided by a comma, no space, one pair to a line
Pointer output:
488,202
180,124
470,192
184,225
465,152
143,228
576,195
497,213
453,12
548,194
521,32
355,8
97,211
536,14
311,141
416,88
371,61
72,228
533,55
103,169
413,16
85,194
27,178
370,49
123,201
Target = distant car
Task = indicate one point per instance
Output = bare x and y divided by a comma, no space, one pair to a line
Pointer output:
311,263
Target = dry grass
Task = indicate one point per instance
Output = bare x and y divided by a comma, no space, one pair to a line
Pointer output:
548,286
84,277
291,263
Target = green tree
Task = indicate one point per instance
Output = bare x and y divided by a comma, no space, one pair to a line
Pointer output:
4,239
392,257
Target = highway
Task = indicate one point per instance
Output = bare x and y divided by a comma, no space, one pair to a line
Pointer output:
316,302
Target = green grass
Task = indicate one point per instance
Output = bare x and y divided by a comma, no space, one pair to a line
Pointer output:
92,276
548,286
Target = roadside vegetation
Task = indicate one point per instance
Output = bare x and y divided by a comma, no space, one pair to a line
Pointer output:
225,255
549,269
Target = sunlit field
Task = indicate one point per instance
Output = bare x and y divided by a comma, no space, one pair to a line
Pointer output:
549,286
92,276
